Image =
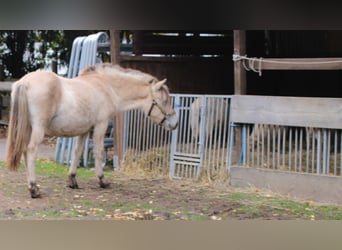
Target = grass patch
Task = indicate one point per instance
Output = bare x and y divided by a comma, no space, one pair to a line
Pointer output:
47,167
259,205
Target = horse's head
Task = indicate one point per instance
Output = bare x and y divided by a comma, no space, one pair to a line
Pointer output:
160,110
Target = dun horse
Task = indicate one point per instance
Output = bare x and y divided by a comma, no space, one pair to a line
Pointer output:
43,103
215,112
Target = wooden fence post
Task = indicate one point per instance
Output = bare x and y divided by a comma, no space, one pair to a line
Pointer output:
119,118
240,85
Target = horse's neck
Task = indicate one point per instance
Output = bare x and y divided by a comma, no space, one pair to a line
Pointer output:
130,96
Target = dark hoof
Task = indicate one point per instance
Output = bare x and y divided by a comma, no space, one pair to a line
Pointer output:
34,190
72,182
103,183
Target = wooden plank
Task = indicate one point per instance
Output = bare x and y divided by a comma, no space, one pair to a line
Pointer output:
173,59
115,46
297,185
288,111
158,42
299,64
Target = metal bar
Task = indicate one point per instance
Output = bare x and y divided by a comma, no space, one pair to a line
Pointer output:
231,145
268,147
284,147
247,144
328,151
313,151
258,146
262,146
307,139
273,147
300,149
279,148
340,152
253,144
335,152
295,149
318,151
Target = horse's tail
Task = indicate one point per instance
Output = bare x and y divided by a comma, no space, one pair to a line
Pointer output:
19,128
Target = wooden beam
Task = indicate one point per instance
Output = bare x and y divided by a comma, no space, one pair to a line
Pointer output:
299,64
115,46
119,118
240,86
287,111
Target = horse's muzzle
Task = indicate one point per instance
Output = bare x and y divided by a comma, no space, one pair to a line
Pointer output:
173,127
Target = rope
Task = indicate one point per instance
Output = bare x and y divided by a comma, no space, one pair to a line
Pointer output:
251,62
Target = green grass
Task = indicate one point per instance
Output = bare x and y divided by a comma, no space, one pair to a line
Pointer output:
256,205
49,167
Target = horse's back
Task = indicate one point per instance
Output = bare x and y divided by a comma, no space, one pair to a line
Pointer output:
43,90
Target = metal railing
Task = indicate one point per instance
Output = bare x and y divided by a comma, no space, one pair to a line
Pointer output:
287,148
198,146
205,143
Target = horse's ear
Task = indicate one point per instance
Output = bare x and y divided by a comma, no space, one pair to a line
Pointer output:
158,85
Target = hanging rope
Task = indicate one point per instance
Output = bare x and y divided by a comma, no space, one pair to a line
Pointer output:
250,63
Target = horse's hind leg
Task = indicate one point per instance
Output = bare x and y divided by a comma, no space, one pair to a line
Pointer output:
75,160
30,155
98,137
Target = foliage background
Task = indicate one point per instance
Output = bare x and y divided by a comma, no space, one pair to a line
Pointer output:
22,51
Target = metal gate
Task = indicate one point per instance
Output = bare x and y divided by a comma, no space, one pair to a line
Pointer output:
84,53
199,145
186,149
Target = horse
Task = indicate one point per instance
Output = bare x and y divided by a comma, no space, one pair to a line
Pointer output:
215,114
43,103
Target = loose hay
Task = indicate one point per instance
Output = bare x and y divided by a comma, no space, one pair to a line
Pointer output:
154,162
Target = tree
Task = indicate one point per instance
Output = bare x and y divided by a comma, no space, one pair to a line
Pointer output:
22,51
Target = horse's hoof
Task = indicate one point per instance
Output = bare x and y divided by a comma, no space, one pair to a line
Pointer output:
72,182
103,183
34,191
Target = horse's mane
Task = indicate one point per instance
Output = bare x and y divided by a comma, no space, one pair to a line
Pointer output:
116,69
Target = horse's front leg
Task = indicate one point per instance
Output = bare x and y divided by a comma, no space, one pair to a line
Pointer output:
98,137
72,183
30,156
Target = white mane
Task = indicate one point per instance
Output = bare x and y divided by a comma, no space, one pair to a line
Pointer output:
116,69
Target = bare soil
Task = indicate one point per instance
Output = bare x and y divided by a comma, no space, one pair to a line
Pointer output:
127,198
130,197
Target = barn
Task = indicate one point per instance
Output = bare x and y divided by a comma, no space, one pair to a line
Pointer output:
276,92
256,107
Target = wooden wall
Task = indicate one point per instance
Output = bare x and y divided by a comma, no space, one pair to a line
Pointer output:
188,75
188,72
192,63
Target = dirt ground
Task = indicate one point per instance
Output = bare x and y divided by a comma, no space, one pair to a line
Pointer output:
127,198
130,197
